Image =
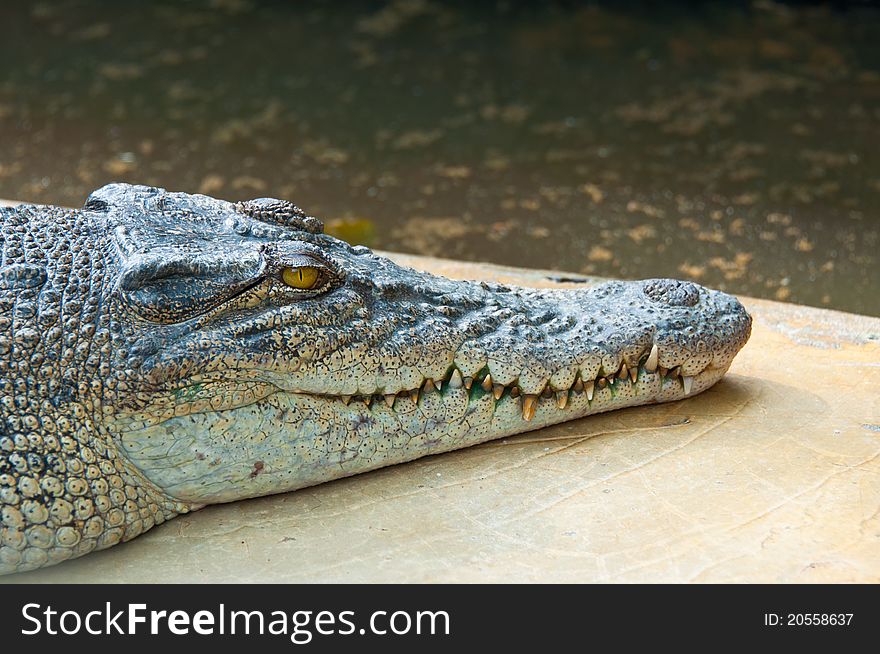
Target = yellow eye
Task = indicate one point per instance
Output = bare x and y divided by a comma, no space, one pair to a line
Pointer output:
301,277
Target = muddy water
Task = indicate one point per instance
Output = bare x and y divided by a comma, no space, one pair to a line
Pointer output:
735,145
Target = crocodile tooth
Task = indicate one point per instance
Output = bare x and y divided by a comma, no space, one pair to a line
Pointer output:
561,399
634,374
611,380
346,399
623,372
688,383
515,391
528,406
675,371
439,384
455,381
414,396
591,388
602,382
389,399
578,386
367,400
653,359
497,391
468,382
429,386
486,384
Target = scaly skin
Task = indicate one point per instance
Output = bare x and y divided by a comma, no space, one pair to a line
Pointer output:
155,357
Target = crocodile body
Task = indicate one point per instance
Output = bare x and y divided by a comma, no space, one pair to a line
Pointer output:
162,351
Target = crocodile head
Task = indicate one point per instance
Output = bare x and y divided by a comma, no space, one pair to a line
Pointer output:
251,353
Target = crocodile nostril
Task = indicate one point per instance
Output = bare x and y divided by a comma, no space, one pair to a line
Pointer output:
672,292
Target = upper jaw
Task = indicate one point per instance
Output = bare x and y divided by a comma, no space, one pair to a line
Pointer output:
507,340
561,337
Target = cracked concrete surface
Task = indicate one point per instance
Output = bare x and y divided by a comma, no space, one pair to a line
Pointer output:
773,475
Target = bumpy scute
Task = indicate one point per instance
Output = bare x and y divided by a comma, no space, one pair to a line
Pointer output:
64,489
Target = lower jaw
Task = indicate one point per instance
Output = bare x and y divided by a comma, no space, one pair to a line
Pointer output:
288,441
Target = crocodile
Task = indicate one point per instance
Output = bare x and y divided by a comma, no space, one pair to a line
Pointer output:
162,351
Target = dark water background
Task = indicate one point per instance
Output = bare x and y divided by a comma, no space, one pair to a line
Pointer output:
735,144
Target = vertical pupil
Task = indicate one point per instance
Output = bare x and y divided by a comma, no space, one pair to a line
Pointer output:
300,276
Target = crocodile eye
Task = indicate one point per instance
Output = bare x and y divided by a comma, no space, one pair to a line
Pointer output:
304,277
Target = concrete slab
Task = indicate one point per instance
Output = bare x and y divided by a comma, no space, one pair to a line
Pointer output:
771,476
